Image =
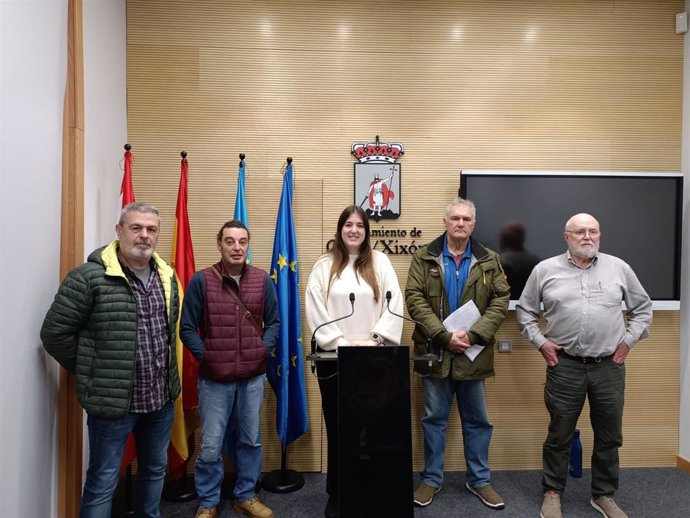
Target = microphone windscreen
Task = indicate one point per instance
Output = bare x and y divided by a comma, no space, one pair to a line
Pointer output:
352,297
388,296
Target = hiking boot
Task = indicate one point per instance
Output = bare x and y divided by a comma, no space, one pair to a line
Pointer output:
551,508
206,512
424,494
607,507
253,508
488,496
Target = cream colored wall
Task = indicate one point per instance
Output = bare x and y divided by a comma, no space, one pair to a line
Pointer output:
576,85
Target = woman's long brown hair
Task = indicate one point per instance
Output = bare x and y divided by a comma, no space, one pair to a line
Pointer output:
364,264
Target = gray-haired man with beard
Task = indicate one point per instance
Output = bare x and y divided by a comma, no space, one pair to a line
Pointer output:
585,345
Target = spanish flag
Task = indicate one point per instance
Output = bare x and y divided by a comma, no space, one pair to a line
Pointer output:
183,262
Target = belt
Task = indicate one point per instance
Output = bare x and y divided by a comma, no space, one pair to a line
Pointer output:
584,359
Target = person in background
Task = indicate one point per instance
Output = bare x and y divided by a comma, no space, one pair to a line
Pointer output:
113,325
449,272
351,266
585,345
516,261
230,323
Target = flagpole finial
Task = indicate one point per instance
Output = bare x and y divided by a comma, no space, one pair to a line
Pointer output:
128,147
183,154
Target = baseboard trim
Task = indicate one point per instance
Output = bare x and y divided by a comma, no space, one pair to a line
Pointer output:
683,464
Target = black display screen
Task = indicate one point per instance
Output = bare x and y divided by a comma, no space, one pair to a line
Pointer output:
640,219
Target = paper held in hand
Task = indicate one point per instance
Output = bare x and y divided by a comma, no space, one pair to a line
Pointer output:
463,319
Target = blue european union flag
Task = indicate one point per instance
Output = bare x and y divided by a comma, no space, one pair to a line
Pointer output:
241,204
286,365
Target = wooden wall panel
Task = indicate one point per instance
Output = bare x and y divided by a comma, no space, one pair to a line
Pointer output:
489,84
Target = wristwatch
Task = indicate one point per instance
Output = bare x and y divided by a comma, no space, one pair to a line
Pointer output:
377,338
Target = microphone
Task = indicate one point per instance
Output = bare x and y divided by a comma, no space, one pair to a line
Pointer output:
313,335
429,356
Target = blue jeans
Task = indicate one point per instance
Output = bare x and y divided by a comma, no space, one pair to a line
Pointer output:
107,439
476,428
236,404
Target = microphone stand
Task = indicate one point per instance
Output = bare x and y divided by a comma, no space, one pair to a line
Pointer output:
429,357
314,356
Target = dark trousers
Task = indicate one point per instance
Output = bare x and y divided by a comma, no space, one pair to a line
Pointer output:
567,385
328,385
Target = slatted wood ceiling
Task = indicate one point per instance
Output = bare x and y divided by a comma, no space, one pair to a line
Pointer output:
489,84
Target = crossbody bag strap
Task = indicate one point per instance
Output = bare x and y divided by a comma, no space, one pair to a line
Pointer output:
247,314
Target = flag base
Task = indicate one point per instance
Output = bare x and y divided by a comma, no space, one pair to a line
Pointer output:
282,481
180,490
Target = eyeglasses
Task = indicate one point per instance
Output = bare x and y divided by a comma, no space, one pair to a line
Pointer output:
582,232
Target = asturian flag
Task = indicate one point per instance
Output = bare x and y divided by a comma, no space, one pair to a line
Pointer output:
241,204
285,365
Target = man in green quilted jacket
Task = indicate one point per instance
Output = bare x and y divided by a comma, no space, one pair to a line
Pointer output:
113,325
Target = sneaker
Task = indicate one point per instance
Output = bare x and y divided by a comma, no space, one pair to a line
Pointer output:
253,508
551,508
487,495
206,512
424,494
607,507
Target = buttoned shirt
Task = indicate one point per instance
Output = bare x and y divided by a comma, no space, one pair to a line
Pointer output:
149,393
582,306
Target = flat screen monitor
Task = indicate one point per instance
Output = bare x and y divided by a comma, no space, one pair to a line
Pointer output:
640,217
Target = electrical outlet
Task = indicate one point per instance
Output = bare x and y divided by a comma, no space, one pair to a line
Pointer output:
505,346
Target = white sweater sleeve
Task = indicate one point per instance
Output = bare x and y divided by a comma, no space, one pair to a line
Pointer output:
388,325
328,337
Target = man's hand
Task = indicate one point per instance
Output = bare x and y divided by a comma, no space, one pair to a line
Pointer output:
460,342
621,353
550,353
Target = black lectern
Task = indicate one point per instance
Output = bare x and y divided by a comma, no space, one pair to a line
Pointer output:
375,442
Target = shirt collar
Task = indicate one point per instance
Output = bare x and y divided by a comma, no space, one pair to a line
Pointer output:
465,255
570,259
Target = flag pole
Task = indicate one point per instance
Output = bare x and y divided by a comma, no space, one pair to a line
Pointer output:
181,489
283,480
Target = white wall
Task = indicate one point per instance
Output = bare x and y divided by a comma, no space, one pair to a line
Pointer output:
105,112
33,51
684,413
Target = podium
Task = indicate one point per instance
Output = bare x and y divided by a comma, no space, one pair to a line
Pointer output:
374,429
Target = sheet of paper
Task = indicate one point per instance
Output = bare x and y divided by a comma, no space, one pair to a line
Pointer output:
463,319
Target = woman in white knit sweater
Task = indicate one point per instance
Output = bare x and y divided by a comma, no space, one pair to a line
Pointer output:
351,266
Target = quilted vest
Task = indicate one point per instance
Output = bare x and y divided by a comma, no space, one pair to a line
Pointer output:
234,348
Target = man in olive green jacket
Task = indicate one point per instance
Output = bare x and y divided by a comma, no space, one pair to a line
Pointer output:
113,325
449,272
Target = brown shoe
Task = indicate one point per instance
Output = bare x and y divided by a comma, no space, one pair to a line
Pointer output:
424,494
206,512
488,496
253,508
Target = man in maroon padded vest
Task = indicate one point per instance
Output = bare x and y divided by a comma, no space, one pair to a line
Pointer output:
230,323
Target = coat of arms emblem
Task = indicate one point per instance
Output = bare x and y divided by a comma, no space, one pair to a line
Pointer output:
377,178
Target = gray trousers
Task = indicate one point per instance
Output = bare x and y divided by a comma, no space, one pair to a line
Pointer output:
567,385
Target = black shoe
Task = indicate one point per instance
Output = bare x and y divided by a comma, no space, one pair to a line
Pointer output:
331,508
